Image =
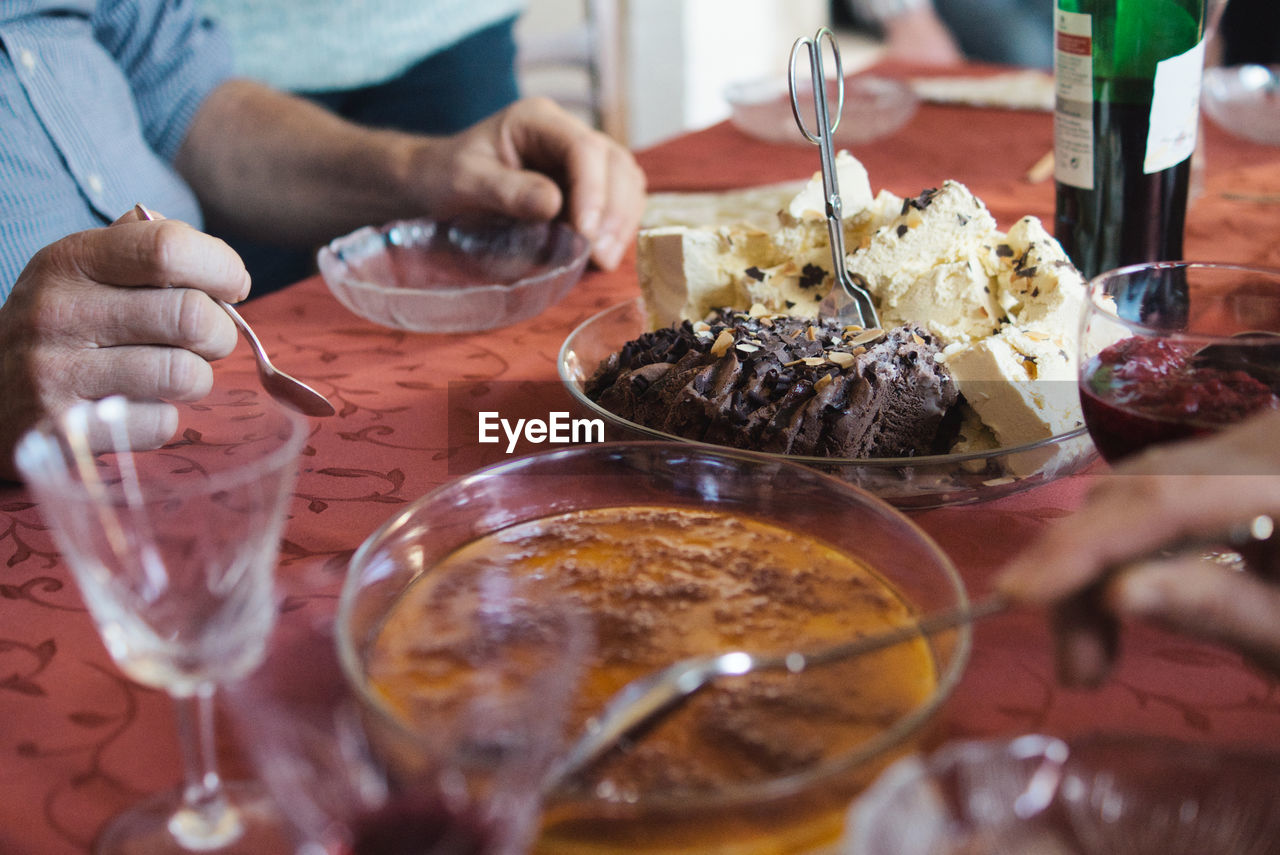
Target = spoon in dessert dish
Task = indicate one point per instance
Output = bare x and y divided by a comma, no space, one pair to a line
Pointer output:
847,301
285,388
646,700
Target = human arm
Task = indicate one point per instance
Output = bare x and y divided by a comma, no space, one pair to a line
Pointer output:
268,164
123,309
911,30
1190,490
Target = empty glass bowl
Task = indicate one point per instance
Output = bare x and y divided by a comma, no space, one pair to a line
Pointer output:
455,275
1244,100
874,107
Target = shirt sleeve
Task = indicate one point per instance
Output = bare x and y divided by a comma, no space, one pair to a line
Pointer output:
172,56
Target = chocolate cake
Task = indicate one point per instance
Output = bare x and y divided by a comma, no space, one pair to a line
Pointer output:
784,384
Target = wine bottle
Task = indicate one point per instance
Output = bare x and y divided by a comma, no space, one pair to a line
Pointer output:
1127,75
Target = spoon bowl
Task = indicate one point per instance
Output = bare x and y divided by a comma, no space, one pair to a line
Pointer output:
285,388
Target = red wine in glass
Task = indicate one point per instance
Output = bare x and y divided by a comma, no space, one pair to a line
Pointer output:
1143,391
1175,350
418,825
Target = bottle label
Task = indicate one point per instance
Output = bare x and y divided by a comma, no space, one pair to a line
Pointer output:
1175,110
1073,102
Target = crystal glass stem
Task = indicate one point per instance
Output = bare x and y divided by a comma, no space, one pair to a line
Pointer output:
206,820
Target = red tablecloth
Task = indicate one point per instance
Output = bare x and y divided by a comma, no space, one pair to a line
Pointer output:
78,742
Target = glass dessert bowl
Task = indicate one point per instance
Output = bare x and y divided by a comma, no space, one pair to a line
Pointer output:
874,107
1244,100
453,275
673,550
921,481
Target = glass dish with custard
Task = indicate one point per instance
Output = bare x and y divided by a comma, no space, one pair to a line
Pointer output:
673,551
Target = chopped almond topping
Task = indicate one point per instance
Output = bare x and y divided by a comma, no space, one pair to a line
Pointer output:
870,336
722,343
841,358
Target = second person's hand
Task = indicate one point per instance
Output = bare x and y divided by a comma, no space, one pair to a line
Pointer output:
1188,491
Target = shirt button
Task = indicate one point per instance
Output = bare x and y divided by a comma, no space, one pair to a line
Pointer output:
27,58
95,183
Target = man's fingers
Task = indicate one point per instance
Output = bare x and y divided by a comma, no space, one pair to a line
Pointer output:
106,317
143,373
150,425
1206,600
1086,639
604,185
161,253
1127,518
620,200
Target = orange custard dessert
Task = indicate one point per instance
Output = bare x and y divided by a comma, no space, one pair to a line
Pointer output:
663,583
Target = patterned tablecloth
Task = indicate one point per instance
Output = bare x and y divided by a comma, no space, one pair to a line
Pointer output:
78,742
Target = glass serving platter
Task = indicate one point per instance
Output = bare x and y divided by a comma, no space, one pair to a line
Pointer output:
926,481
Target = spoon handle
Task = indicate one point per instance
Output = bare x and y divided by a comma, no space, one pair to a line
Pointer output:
245,330
648,699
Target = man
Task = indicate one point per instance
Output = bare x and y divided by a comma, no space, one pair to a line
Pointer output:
107,104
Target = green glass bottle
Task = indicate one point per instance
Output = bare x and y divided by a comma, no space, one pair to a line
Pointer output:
1127,74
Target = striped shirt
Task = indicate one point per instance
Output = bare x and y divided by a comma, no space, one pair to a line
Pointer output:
95,99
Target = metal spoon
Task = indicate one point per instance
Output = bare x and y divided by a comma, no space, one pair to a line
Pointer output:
285,388
646,700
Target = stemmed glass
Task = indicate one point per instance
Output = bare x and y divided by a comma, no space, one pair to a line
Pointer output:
1173,350
174,551
438,744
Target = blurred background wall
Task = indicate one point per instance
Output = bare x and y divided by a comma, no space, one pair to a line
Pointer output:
646,70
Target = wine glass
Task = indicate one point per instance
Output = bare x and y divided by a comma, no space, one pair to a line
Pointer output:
174,551
434,733
1178,349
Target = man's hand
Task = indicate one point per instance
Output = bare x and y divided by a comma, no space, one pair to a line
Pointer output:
1189,490
919,36
535,161
118,310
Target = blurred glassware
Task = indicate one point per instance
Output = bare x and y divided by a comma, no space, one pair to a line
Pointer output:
1244,100
457,769
1140,795
174,552
462,275
874,107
